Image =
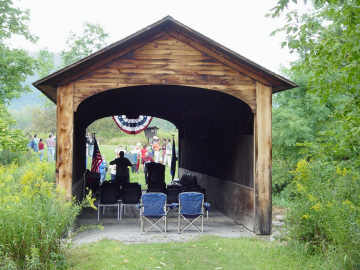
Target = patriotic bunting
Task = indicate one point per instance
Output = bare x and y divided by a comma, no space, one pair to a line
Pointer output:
132,125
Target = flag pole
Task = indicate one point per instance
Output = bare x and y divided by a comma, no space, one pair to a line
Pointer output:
173,159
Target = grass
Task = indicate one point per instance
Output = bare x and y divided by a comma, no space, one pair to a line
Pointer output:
208,252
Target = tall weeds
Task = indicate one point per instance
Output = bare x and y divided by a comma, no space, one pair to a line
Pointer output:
34,217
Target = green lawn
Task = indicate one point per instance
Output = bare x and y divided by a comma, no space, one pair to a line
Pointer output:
208,252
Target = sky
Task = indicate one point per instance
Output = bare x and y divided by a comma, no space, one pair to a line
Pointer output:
238,25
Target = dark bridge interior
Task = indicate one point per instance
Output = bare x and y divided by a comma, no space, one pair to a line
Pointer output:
215,129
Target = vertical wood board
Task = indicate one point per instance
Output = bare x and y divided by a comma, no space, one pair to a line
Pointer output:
263,159
65,125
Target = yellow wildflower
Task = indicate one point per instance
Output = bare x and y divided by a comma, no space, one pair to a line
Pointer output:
300,187
316,207
306,216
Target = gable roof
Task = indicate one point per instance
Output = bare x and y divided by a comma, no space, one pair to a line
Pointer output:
48,85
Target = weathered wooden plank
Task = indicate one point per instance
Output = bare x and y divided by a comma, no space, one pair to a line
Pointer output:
106,60
217,55
155,63
263,159
64,139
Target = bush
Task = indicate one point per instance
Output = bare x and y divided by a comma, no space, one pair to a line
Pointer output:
19,157
34,217
326,211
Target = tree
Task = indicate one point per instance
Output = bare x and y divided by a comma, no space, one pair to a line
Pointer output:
15,66
10,139
45,63
92,39
326,187
327,41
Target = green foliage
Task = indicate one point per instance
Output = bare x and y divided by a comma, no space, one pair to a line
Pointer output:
93,38
13,21
15,64
44,118
34,217
10,139
45,63
326,212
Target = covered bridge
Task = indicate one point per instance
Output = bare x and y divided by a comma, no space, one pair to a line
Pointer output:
219,101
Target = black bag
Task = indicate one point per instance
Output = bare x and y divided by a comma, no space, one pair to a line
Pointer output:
131,193
173,192
195,188
188,180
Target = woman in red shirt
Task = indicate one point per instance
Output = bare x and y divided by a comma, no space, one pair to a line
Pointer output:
41,149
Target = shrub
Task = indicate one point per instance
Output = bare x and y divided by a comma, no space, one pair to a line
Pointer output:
326,212
34,217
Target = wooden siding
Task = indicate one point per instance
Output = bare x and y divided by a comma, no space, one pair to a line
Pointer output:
64,129
166,61
263,158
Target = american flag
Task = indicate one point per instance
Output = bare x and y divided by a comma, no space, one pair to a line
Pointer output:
96,158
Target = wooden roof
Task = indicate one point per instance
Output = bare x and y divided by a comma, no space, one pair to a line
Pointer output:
49,84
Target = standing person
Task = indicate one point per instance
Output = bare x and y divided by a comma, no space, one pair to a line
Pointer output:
50,144
41,149
163,151
35,142
90,142
102,170
168,153
143,152
122,170
31,143
156,149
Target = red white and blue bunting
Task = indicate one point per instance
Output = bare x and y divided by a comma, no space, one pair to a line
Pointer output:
132,125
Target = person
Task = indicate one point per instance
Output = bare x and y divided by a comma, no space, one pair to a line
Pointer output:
90,142
147,159
41,149
112,169
50,144
30,144
122,170
34,143
163,151
168,153
156,149
103,170
143,153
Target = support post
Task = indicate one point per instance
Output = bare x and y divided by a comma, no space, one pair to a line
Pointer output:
263,159
64,138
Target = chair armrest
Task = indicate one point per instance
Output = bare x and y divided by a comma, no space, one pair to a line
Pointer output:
173,205
207,206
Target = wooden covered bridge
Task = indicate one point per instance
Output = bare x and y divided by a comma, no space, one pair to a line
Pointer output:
219,101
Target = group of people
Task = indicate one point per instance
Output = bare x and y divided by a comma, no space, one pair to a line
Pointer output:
159,151
38,146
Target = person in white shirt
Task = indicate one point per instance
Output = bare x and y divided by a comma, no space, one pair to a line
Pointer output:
50,144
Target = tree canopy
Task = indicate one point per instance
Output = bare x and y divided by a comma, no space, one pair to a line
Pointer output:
92,38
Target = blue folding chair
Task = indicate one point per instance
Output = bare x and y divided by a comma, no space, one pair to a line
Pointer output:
191,209
153,210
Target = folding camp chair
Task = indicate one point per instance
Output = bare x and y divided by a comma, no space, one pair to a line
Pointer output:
191,209
153,211
130,195
109,198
